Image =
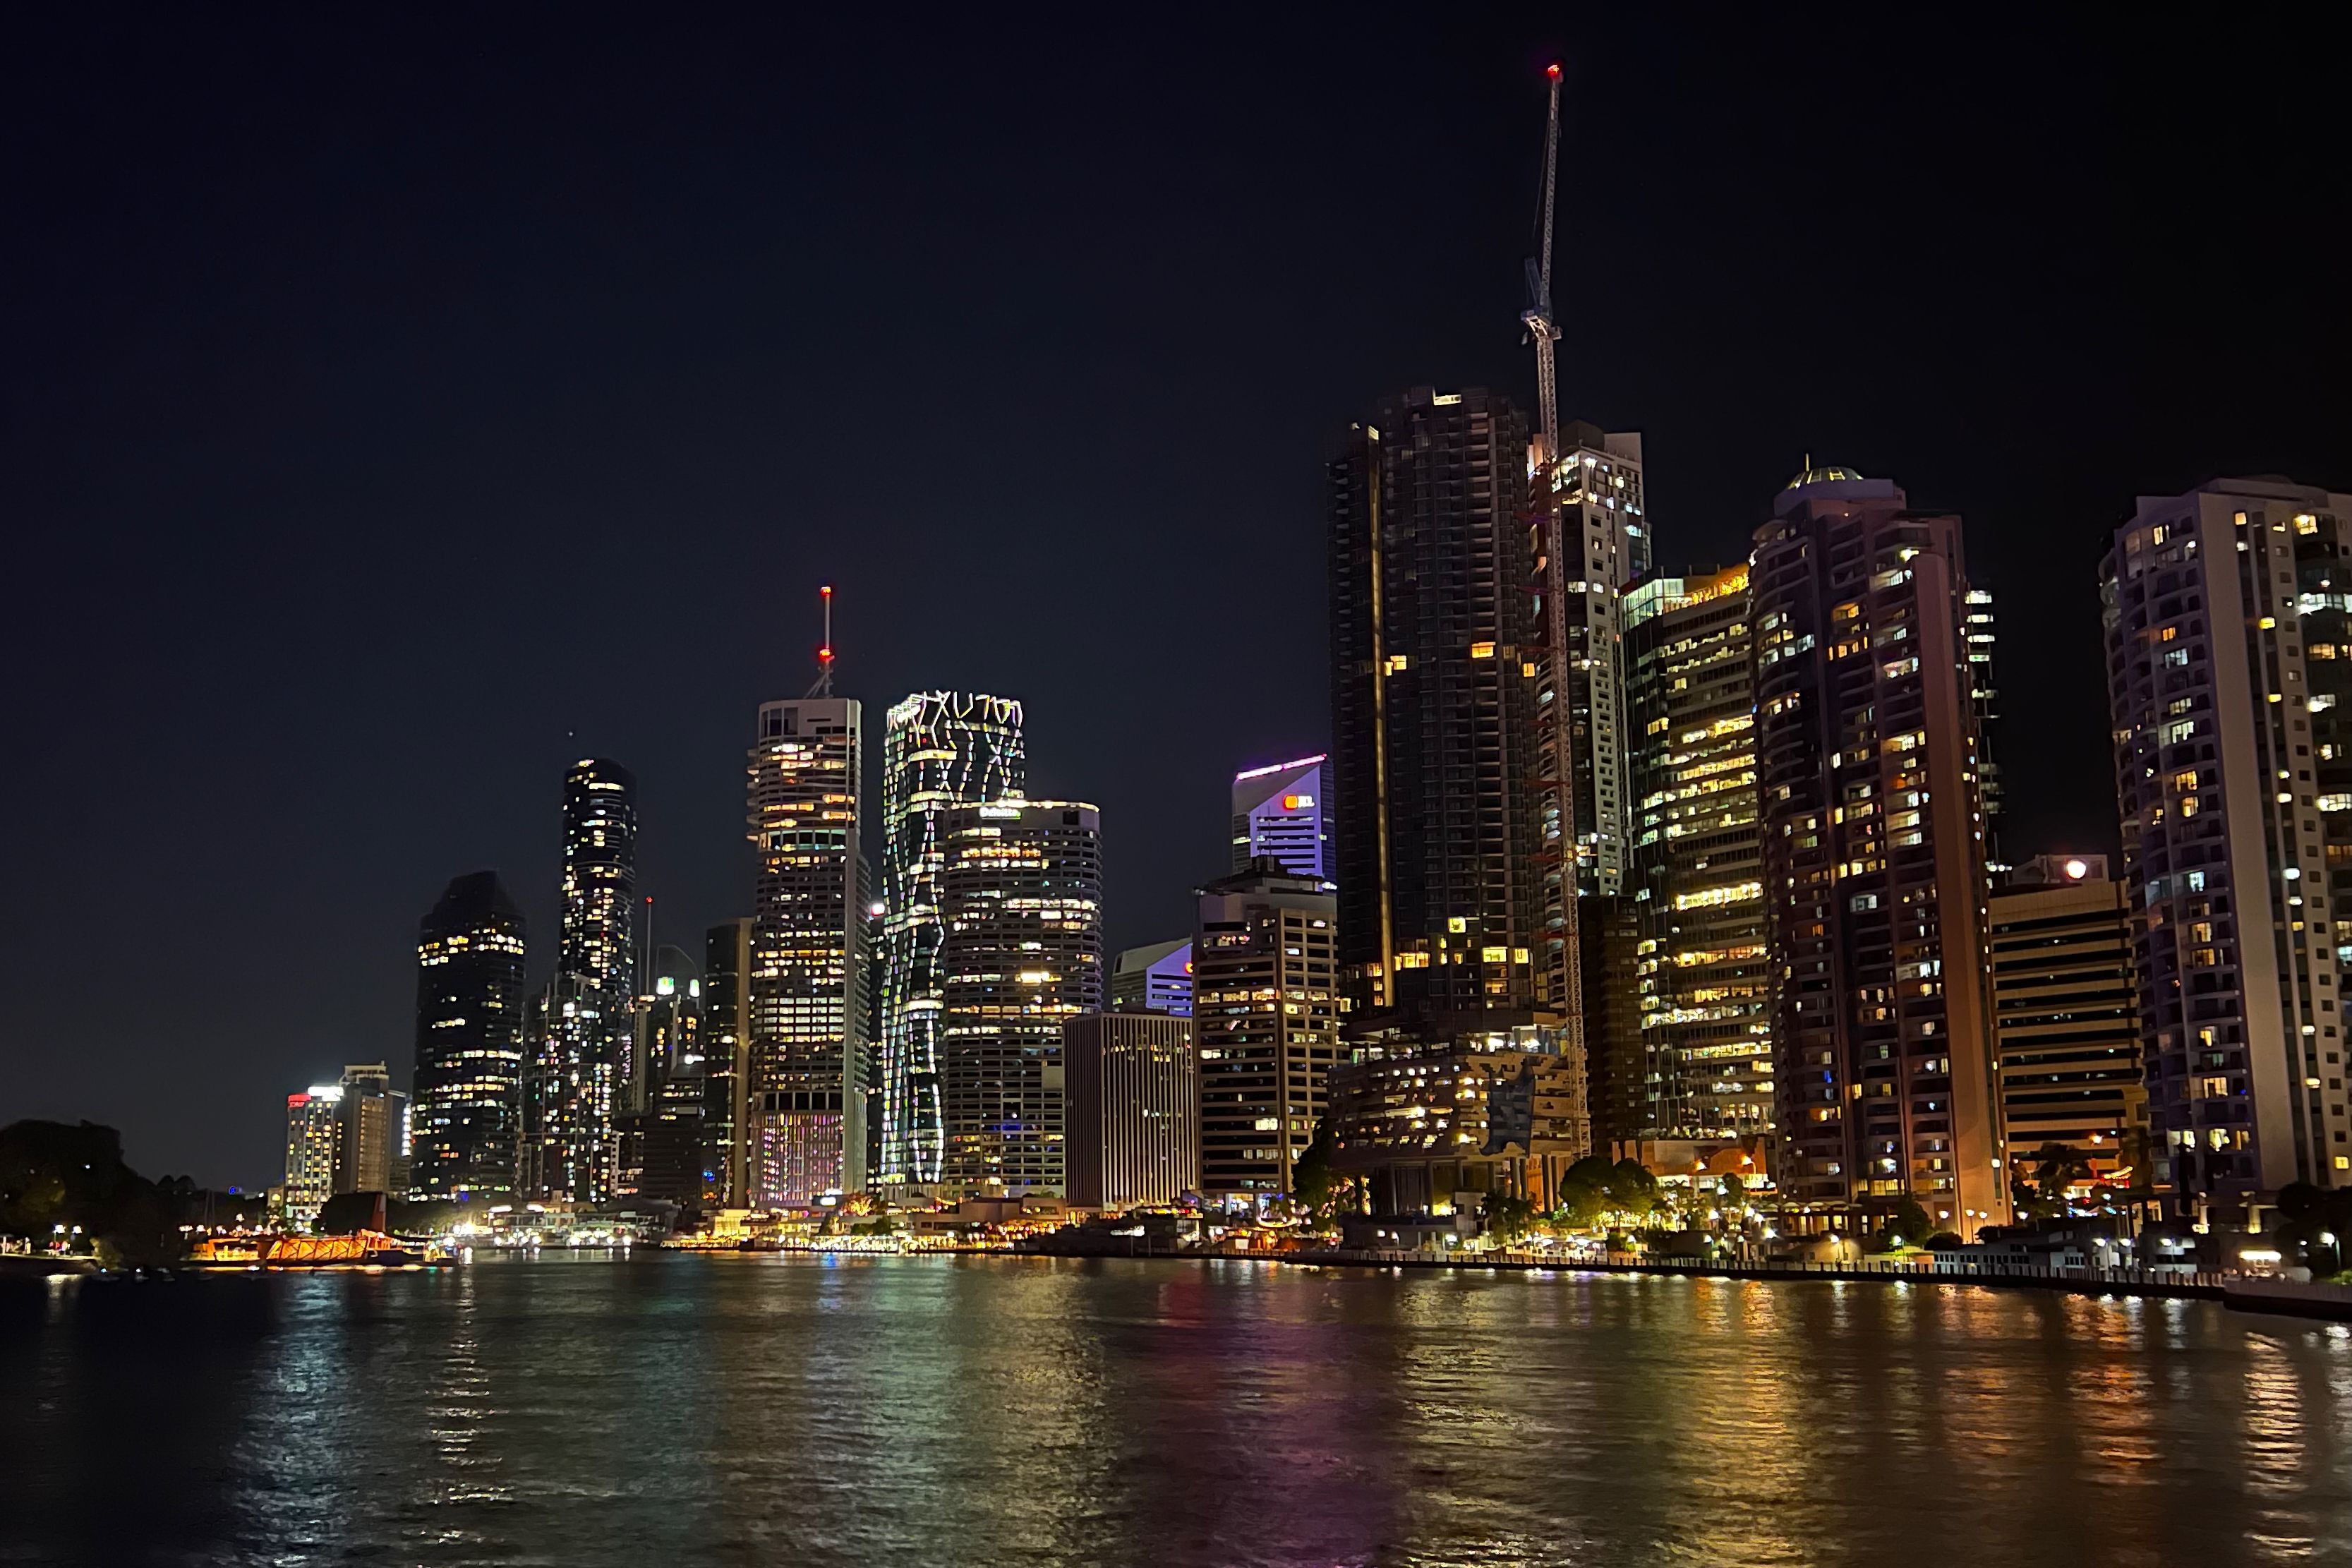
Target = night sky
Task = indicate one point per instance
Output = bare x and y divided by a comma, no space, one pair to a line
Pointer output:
397,405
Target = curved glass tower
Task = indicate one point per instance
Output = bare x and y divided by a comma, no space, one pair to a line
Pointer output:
940,750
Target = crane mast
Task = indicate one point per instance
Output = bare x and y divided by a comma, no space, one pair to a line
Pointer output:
1542,331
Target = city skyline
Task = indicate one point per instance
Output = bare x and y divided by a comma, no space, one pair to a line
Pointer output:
322,649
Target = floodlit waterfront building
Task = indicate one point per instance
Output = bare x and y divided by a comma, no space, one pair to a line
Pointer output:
313,1132
941,749
1132,1104
1874,858
2228,660
1020,953
467,1109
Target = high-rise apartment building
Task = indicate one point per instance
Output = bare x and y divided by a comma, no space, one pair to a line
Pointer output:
468,1070
805,1130
2229,658
2065,1013
1874,858
1131,1109
1158,979
1280,812
1266,1014
313,1133
940,750
1440,864
727,1044
1020,890
1704,971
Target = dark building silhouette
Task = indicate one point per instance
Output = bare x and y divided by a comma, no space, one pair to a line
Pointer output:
1440,857
468,1070
1617,1068
726,1036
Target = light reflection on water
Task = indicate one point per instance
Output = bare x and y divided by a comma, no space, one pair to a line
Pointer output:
671,1410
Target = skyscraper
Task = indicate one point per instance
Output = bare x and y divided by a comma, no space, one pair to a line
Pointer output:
1440,858
663,1098
1591,541
2066,1015
1133,1110
1265,1013
1698,859
1021,900
2229,661
1280,811
940,750
806,1132
313,1132
468,1070
1157,978
727,1035
1874,858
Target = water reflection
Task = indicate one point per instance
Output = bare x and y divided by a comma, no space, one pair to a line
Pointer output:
869,1411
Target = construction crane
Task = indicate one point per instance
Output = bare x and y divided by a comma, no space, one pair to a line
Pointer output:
823,687
1542,331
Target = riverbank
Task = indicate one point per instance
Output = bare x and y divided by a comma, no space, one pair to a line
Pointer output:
2245,1294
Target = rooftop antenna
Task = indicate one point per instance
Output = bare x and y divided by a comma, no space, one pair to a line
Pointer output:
823,687
1542,331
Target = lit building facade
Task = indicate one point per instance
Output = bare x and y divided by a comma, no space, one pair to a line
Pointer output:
1432,1126
666,1095
370,1120
1157,978
941,749
805,1118
466,1116
1704,973
1874,859
313,1134
1590,541
1132,1099
2229,661
1440,860
2065,1010
1021,955
1279,813
1265,1013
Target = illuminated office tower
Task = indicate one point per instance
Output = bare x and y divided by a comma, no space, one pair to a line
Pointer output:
1705,980
2066,1015
1590,541
1439,855
2229,666
940,750
1021,900
589,1045
469,1069
806,1132
1133,1111
313,1132
1874,859
1280,811
1265,1014
726,1036
1156,979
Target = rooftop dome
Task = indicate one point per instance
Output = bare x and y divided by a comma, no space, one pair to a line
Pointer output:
1813,476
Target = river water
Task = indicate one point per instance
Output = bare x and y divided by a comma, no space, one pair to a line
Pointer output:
672,1409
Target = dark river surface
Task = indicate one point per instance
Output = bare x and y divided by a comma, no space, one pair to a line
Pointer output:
674,1409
